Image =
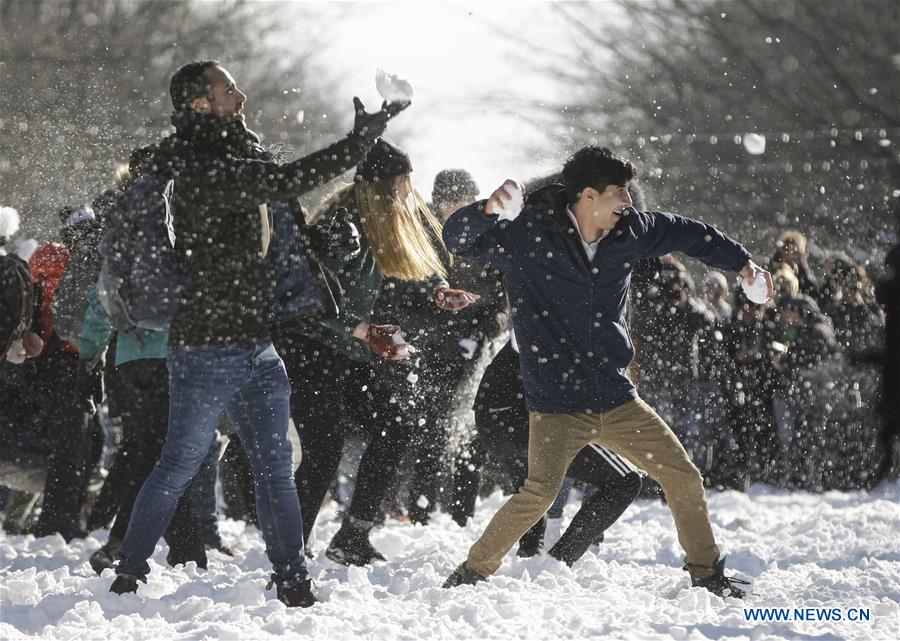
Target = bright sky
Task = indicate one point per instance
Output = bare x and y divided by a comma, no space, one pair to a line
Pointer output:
465,74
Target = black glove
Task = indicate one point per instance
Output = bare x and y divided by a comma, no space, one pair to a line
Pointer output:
337,238
371,126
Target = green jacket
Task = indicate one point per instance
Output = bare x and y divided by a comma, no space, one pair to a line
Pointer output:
97,330
360,280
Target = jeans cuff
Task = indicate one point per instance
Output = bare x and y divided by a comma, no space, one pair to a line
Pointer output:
133,569
291,574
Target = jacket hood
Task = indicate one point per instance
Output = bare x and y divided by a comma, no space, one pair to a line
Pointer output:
553,197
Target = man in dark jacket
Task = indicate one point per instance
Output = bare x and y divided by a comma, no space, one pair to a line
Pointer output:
566,261
221,356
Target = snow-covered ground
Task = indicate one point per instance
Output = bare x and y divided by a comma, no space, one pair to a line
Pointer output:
834,550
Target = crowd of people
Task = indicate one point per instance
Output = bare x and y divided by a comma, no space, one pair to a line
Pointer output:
784,393
403,341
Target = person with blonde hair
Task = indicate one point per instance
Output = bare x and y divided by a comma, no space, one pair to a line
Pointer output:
791,250
337,384
787,285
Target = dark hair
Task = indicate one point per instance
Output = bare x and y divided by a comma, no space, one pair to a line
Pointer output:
595,167
190,82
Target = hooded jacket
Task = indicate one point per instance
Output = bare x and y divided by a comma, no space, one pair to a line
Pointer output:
47,266
222,176
568,312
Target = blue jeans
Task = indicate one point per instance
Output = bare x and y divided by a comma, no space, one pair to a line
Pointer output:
250,383
202,493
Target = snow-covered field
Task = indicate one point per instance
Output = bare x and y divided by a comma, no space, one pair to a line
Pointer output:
802,551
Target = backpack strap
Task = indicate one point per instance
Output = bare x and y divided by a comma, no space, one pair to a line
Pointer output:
167,194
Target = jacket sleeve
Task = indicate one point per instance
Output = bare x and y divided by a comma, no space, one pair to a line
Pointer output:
661,234
257,181
470,233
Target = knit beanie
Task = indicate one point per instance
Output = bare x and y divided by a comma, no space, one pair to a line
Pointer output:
384,160
452,184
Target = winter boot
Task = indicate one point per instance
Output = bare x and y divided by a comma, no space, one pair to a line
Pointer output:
719,584
103,559
419,515
351,545
296,594
124,584
532,542
174,558
463,576
183,550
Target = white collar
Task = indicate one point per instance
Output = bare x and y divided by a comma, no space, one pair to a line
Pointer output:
584,242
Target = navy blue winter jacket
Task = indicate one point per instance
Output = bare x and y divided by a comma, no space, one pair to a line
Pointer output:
568,312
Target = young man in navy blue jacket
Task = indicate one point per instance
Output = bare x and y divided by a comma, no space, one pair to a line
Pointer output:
566,260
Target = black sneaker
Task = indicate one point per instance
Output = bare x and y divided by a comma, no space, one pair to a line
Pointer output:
463,576
178,556
721,585
103,559
298,595
124,584
352,547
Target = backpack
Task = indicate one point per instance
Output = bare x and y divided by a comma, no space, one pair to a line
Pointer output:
303,287
140,285
16,301
71,298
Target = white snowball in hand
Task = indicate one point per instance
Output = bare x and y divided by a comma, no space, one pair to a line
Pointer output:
469,347
510,208
758,292
392,87
16,353
404,349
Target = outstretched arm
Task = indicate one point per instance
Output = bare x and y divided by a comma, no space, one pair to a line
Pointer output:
664,233
260,181
476,232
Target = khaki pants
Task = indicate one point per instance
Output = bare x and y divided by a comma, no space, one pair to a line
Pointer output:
632,430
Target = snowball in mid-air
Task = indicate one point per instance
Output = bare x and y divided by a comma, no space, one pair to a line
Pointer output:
758,292
9,222
25,248
510,208
392,87
755,144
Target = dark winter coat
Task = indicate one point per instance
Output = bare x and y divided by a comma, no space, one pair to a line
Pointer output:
437,332
222,176
568,312
670,356
360,282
